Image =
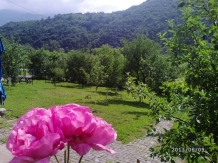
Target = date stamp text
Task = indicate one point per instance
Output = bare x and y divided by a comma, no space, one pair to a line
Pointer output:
188,149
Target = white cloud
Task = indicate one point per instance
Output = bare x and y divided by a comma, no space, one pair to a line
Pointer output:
68,6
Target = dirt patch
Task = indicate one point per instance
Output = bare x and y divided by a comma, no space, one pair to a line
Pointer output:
5,129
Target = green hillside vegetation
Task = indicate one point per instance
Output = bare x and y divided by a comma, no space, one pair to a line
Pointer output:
91,30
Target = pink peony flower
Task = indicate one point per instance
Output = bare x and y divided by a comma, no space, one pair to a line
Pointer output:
69,120
40,133
32,139
96,135
83,131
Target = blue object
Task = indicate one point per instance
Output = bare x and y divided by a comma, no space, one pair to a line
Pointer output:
2,90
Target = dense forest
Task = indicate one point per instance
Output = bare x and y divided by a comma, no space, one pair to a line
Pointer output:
90,30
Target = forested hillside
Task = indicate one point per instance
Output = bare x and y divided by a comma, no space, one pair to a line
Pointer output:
90,30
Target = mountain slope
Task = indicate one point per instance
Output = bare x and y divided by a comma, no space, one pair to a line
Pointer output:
7,16
90,30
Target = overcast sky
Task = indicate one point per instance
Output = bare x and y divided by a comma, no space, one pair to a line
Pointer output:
68,6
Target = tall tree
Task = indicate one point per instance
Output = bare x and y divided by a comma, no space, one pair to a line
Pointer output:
96,75
145,62
77,61
55,66
39,59
13,58
114,62
137,50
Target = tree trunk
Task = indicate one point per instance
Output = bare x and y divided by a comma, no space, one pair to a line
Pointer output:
106,95
95,95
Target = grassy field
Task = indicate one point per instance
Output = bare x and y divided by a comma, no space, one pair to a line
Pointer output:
127,116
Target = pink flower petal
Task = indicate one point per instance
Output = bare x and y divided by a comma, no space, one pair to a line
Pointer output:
81,149
101,147
19,160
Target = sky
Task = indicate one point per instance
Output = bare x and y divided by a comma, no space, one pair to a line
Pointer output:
68,6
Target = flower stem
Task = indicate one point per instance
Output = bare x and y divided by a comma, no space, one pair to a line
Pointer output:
68,153
80,159
56,159
65,157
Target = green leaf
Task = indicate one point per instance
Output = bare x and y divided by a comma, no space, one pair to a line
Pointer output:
172,161
213,12
216,47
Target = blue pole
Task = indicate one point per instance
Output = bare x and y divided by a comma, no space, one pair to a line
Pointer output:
2,48
2,90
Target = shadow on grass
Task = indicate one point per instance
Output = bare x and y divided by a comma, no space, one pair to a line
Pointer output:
129,103
67,86
109,93
74,86
137,114
121,102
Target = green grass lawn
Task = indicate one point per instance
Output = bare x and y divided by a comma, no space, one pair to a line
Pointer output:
127,116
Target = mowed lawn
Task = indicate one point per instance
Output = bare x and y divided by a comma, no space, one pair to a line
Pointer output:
128,116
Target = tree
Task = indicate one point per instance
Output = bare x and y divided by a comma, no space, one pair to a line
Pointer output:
96,76
39,59
114,62
13,57
145,62
192,102
139,90
55,66
77,61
